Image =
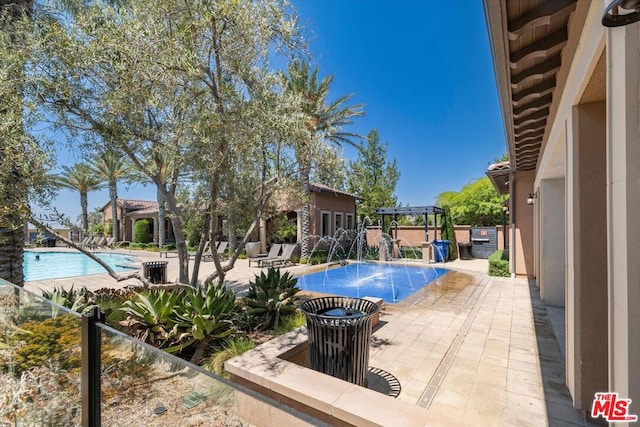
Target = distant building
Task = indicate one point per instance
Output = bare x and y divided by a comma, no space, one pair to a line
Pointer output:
130,211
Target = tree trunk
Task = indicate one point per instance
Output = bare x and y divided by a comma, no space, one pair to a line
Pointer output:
12,223
181,240
85,214
305,211
11,250
162,232
113,195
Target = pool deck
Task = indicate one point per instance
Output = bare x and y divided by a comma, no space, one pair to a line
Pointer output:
468,350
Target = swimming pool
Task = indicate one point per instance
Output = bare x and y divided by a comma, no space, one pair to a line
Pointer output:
390,282
56,265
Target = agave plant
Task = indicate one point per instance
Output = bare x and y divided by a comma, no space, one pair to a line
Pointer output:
272,295
77,300
152,318
175,320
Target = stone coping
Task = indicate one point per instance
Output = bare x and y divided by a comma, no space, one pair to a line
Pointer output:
266,367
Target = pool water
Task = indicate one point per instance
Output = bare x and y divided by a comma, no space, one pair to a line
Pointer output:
390,282
56,265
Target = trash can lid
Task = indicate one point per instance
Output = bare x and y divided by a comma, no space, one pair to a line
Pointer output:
342,312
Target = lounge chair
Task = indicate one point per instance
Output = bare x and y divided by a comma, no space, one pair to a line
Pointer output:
99,243
85,241
285,257
91,242
220,248
274,252
111,241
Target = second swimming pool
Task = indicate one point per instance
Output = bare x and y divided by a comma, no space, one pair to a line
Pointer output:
390,282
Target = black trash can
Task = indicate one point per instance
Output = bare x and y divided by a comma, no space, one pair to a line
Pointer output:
464,250
51,243
155,271
339,333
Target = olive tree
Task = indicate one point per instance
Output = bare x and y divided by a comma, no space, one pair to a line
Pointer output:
176,87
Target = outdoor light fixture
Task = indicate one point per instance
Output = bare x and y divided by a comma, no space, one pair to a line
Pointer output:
531,198
621,12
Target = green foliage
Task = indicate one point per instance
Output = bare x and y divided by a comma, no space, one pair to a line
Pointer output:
141,232
55,339
411,252
286,230
97,229
231,348
78,300
271,296
449,234
319,256
195,226
111,301
175,320
291,322
498,264
373,177
477,204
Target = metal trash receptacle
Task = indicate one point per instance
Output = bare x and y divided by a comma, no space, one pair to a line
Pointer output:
440,250
464,250
155,271
339,331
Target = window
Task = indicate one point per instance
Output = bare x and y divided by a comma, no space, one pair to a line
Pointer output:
350,225
337,217
326,223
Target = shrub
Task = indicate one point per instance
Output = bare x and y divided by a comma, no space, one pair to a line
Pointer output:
271,296
449,234
141,231
498,264
291,322
175,320
232,347
77,300
97,229
411,252
52,340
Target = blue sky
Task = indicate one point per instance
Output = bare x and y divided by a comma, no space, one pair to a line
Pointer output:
425,75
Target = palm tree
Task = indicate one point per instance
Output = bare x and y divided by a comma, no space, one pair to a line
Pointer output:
111,167
80,177
326,121
14,153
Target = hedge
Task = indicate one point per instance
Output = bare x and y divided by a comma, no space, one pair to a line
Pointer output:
498,264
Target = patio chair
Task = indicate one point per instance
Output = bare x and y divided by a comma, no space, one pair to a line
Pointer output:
284,258
91,242
111,241
274,252
100,242
205,251
222,247
85,241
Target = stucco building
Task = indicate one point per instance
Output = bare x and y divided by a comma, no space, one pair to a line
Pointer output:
569,90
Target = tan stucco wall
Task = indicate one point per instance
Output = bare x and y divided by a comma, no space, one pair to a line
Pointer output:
414,235
521,246
333,203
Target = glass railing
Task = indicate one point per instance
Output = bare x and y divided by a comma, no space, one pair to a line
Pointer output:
41,360
47,377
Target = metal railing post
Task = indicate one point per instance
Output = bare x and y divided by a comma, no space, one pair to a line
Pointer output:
91,367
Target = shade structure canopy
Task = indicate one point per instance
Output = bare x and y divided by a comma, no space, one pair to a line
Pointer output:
414,210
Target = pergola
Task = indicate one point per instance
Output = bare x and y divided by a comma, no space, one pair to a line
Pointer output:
413,211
